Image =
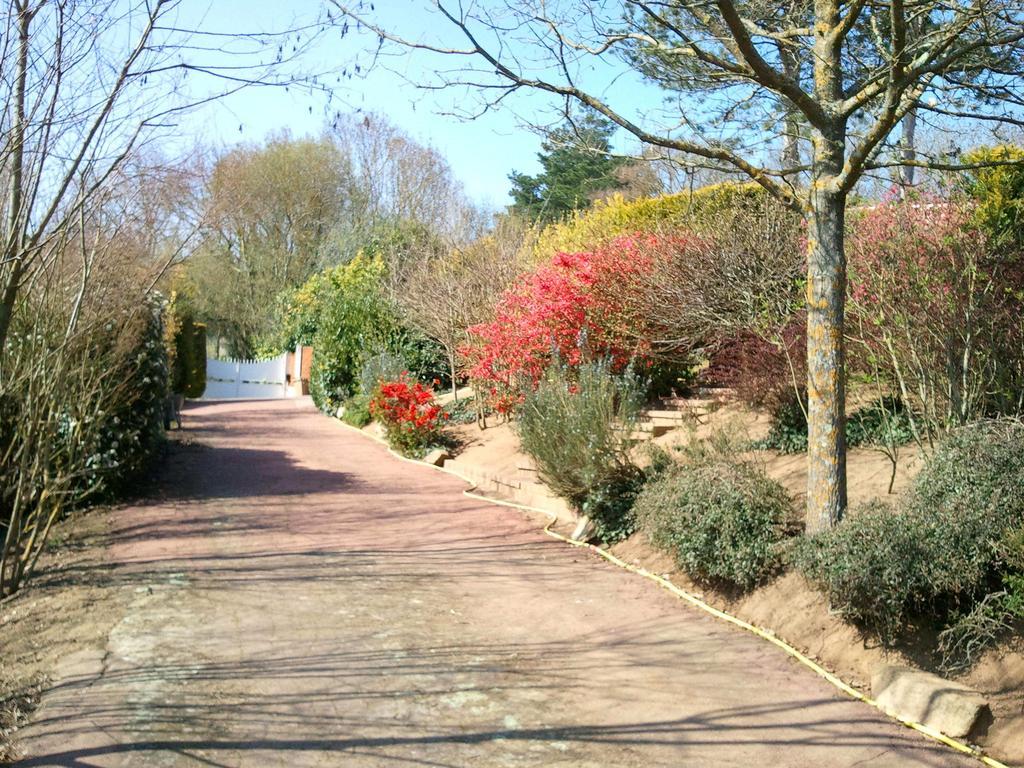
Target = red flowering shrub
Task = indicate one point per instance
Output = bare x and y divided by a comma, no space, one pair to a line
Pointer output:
411,419
572,307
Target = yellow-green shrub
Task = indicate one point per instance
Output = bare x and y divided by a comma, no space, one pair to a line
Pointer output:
999,193
608,219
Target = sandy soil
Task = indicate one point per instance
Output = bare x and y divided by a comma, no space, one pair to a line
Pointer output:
299,597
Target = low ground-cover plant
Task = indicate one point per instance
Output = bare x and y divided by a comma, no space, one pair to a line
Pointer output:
938,555
884,422
462,411
577,426
412,420
721,520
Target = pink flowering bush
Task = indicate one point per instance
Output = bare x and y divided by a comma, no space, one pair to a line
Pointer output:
935,312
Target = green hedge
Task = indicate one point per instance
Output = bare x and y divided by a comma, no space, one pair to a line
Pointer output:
188,373
608,219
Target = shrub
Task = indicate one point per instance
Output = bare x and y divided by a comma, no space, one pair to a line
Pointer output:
788,430
81,410
411,419
609,219
188,374
884,422
577,426
999,193
346,315
937,556
871,566
763,373
384,366
936,309
462,411
977,470
357,411
974,631
563,309
721,520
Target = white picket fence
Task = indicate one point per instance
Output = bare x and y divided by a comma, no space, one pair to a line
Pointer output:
255,379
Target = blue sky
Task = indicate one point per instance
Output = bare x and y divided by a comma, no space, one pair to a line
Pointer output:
482,152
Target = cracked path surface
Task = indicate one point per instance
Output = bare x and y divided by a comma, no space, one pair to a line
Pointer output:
301,598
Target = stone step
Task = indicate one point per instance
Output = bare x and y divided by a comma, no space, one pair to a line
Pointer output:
645,430
688,404
674,418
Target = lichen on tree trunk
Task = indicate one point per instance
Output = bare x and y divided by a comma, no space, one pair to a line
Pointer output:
826,369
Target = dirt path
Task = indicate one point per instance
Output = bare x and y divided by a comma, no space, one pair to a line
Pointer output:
301,598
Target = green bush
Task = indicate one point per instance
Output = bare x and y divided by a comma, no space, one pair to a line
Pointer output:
977,470
189,373
196,382
721,520
346,315
871,567
940,554
186,349
357,411
353,319
383,366
577,426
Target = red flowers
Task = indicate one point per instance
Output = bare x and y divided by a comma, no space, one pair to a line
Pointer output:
574,305
411,419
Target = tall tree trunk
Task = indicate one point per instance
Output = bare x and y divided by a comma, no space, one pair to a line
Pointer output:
826,371
14,238
826,284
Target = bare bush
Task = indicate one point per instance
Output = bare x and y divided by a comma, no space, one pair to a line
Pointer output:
444,295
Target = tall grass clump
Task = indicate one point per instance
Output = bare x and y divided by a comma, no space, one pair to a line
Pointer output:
577,425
